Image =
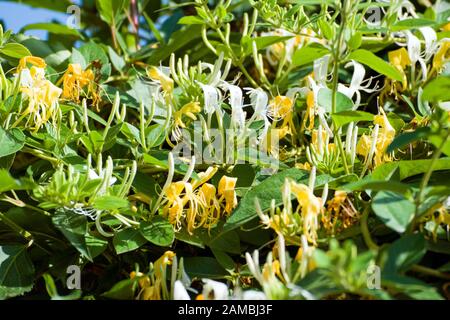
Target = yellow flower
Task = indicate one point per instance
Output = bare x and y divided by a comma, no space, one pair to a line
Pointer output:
157,75
42,96
197,203
310,109
153,287
189,110
74,80
35,61
386,135
441,57
399,59
280,107
226,190
311,207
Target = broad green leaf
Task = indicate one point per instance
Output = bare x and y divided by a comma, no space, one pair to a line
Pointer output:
393,209
158,231
437,89
110,10
128,239
15,50
369,184
379,65
344,117
409,168
325,96
6,181
404,252
307,55
406,138
11,141
204,267
16,271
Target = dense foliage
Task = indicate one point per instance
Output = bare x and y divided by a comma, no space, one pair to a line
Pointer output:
293,149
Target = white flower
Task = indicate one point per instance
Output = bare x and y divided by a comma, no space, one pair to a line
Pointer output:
179,291
356,84
211,97
253,295
216,290
236,102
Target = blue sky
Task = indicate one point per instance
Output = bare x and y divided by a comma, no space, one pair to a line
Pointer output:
16,15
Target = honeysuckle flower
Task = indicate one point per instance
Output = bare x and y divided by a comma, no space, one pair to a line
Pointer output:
259,101
161,76
42,96
339,214
292,222
236,102
442,56
153,287
189,110
399,59
312,107
375,146
197,203
226,190
34,61
180,292
211,97
74,80
213,290
356,84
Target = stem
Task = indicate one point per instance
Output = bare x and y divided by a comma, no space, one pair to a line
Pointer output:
365,230
430,272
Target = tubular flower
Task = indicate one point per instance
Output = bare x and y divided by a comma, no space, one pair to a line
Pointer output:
400,60
35,61
159,76
42,96
153,286
226,190
281,108
375,146
442,56
189,110
197,203
74,80
290,222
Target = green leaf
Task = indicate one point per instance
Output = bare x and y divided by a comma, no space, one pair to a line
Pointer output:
393,209
158,231
110,10
122,290
437,89
191,20
11,141
128,240
409,168
204,267
7,182
16,271
261,42
74,228
15,50
369,184
344,117
406,138
412,24
54,28
325,97
110,203
375,63
308,54
404,253
117,61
